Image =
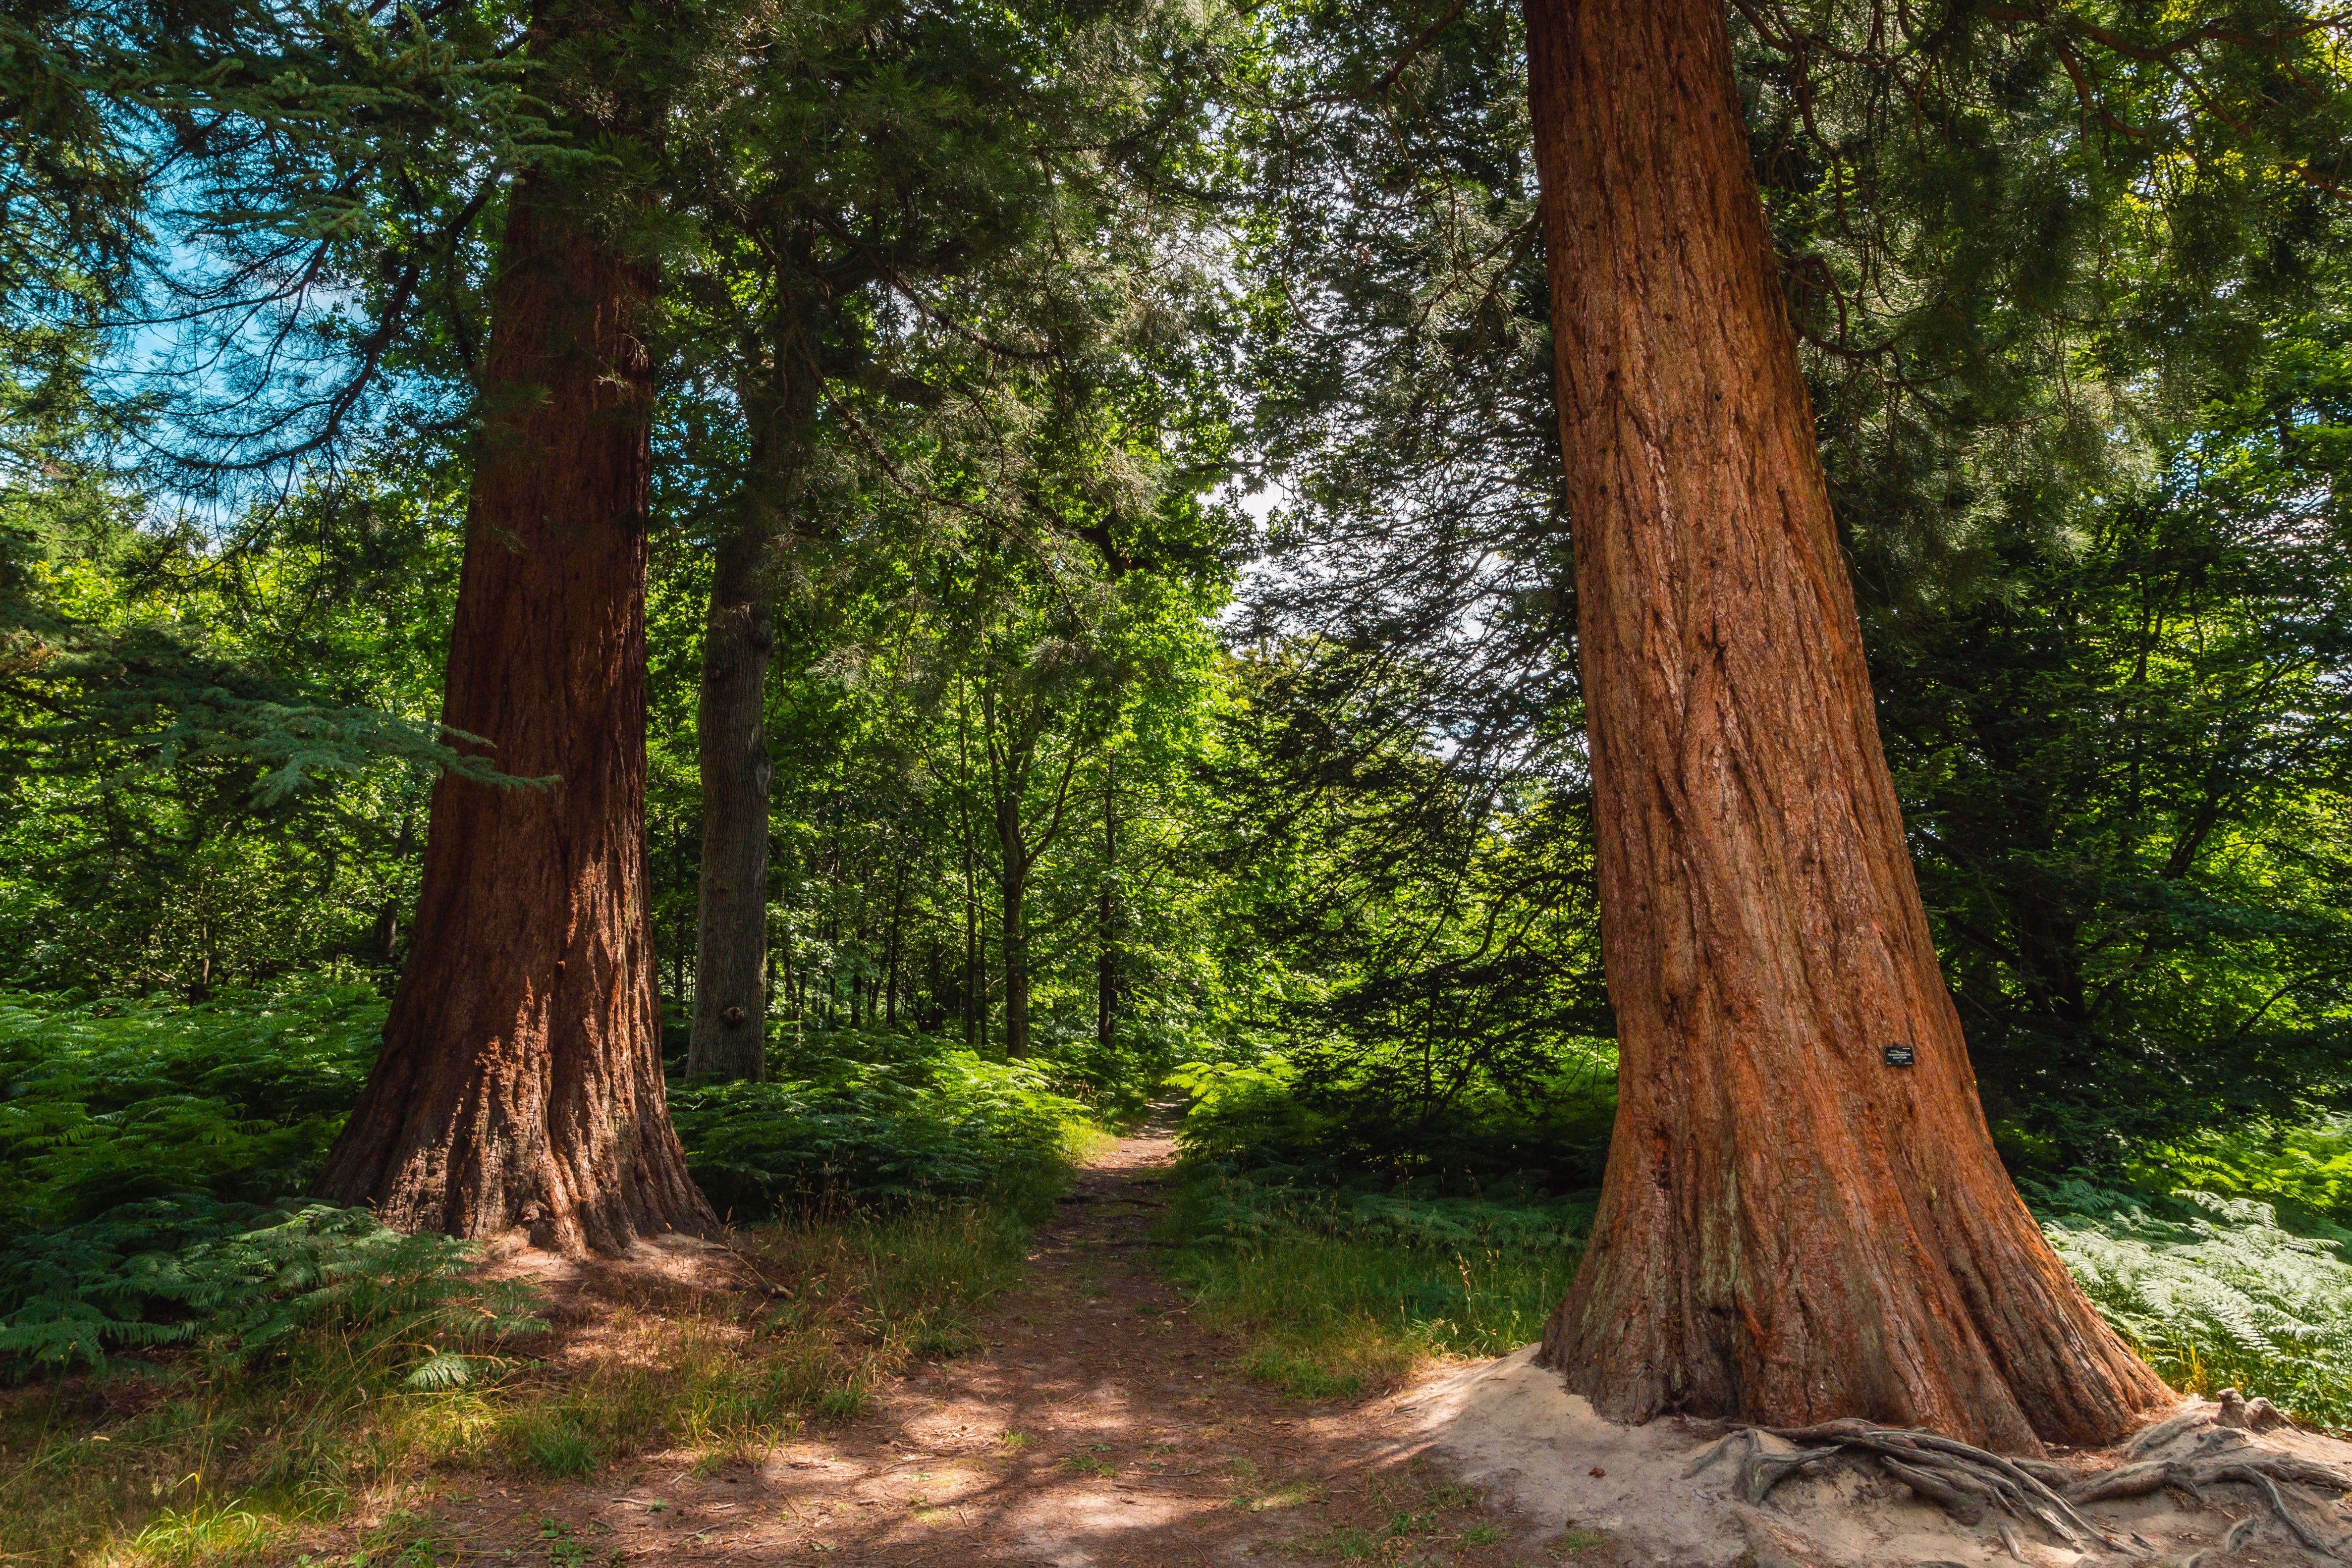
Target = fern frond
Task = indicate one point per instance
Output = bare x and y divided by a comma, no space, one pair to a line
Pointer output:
442,1371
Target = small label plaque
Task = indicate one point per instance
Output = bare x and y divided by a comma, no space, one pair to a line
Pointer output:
1901,1056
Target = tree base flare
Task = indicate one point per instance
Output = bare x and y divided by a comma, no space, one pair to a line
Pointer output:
2206,1482
1969,1482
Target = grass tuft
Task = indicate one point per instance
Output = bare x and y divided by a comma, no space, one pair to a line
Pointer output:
1341,1543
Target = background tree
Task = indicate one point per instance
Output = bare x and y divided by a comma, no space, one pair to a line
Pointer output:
869,166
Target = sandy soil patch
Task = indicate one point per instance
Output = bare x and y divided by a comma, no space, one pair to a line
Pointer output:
1510,1427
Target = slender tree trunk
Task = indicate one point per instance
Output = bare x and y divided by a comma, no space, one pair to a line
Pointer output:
520,1084
387,918
975,1001
387,940
1015,937
890,981
1107,918
787,977
731,948
1791,1228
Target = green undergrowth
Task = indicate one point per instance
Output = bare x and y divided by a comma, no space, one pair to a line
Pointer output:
1345,1229
874,1119
186,1456
2214,1290
1338,1287
144,1150
111,1101
241,1285
2304,1169
196,1368
1383,1118
147,1150
1338,1282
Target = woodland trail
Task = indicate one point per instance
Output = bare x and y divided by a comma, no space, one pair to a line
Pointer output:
1094,1425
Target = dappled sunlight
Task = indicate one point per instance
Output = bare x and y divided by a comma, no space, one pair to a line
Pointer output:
1091,1418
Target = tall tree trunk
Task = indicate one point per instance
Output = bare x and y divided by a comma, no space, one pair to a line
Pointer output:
1792,1227
520,1084
731,948
1107,918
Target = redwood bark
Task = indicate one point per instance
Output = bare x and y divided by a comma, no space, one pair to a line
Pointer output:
731,949
520,1085
1791,1227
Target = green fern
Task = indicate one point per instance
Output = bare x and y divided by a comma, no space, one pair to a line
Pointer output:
247,1285
109,1102
2215,1291
444,1369
915,1125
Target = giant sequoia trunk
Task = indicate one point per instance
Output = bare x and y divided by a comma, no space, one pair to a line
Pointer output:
731,949
520,1085
1794,1225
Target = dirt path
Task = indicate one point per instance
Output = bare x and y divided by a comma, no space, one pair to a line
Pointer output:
1095,1425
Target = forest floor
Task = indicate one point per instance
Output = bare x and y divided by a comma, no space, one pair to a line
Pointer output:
988,1395
1093,1424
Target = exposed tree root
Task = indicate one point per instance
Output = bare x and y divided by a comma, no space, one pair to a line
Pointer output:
1969,1483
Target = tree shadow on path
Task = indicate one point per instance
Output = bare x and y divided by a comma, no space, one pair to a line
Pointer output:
1094,1425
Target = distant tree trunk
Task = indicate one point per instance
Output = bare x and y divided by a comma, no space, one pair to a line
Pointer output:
730,948
1791,1228
890,979
387,936
387,917
520,1084
1011,744
1015,937
1107,917
788,976
974,1000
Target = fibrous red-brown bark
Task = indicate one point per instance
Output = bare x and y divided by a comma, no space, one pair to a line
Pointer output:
520,1083
1791,1229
